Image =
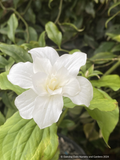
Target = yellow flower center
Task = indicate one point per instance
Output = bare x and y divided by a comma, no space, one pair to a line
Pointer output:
52,83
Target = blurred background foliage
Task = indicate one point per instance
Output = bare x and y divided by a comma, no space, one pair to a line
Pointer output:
92,26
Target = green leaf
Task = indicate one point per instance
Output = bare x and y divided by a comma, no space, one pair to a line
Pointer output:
102,101
5,84
104,47
32,34
96,1
67,123
2,119
114,32
74,50
12,25
53,33
30,15
8,100
15,2
23,139
68,103
16,52
10,63
106,120
1,12
111,81
114,36
90,9
116,48
76,110
95,73
90,41
90,132
56,156
42,39
102,57
32,44
103,1
4,30
3,62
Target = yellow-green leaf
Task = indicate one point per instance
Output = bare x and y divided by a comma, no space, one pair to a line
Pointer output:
23,139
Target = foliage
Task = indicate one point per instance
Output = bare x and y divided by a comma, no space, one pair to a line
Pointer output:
90,26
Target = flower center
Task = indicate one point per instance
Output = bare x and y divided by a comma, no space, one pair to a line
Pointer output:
53,82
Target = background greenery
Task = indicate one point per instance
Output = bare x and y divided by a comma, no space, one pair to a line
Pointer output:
92,26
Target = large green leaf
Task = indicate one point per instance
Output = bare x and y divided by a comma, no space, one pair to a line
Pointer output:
23,139
16,52
53,33
102,101
12,25
106,120
5,84
111,81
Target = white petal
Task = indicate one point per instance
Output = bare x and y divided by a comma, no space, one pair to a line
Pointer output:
25,103
39,80
71,62
42,65
62,75
72,88
45,52
47,110
53,92
86,92
21,74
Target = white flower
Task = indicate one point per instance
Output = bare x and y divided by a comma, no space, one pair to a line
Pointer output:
48,79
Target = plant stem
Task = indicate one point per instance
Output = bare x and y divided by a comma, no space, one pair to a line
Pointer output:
62,116
108,59
27,7
59,13
60,49
112,68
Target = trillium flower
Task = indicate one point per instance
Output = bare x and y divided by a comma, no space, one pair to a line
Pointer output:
47,80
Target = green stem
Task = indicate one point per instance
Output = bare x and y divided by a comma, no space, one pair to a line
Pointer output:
108,59
60,49
26,25
59,13
62,116
112,68
2,6
27,7
12,9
